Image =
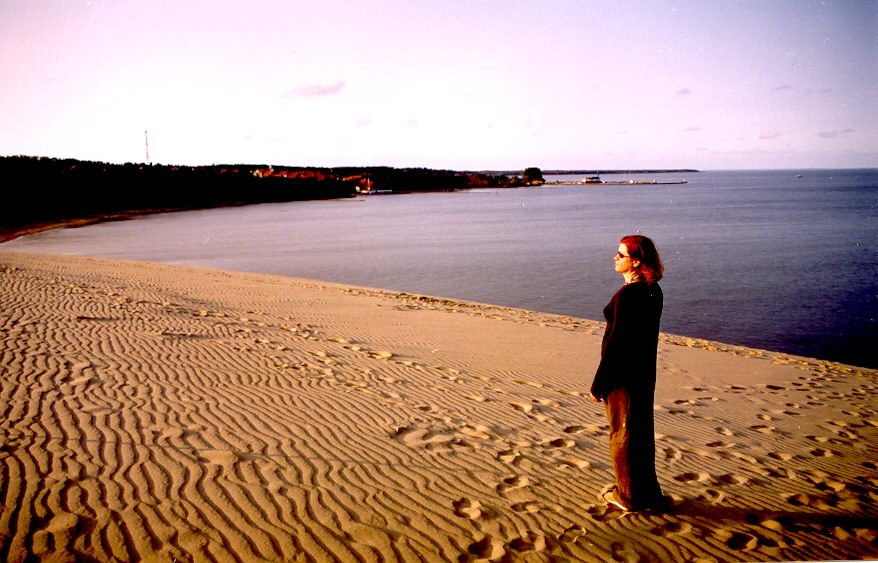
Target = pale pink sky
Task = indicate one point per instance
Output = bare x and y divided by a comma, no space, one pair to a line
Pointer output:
457,84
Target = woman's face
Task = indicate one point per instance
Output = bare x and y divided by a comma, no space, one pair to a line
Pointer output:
623,261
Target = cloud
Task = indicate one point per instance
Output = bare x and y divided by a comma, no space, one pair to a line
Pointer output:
822,91
833,133
769,135
782,87
693,129
312,90
683,92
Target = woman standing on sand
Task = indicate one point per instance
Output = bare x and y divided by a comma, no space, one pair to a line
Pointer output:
625,378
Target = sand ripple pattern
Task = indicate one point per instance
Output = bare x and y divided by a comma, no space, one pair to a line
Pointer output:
160,413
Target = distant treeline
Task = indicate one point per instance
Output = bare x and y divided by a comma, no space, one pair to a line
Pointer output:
41,192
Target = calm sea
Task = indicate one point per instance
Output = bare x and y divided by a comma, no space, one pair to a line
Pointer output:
782,260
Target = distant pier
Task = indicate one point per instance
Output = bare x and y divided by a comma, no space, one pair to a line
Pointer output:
613,182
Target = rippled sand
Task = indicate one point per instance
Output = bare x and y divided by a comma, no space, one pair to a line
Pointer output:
163,413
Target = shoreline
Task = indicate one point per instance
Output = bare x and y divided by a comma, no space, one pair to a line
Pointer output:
231,415
78,222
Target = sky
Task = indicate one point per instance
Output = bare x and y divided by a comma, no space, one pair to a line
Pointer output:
450,84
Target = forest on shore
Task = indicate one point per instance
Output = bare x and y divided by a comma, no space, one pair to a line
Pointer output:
43,192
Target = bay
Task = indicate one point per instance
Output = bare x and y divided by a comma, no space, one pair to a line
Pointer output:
783,260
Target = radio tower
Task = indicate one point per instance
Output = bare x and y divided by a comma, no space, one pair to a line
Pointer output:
146,138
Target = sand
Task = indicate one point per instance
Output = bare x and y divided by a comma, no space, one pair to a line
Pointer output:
166,413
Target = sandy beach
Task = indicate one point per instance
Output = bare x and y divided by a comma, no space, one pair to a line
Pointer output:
166,413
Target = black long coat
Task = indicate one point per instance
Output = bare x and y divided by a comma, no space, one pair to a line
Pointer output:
628,350
625,380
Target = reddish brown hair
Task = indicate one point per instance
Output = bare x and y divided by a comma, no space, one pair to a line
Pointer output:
642,248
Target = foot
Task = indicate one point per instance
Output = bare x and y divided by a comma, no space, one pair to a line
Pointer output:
612,497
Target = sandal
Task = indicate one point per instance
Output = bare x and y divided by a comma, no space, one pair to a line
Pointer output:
612,497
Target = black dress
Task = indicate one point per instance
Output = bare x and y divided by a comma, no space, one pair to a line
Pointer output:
625,380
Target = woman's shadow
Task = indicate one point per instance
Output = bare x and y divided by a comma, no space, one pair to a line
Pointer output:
790,520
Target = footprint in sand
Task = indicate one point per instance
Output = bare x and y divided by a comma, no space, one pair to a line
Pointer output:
801,499
732,479
536,384
508,456
468,508
162,432
478,398
721,444
533,410
526,408
528,542
830,486
741,456
487,549
479,431
575,464
624,552
605,513
559,443
670,529
526,507
513,483
547,402
380,354
692,477
58,532
572,534
738,541
423,437
712,496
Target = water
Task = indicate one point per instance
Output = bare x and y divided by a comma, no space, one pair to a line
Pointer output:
759,258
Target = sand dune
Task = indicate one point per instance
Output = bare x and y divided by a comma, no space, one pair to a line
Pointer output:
165,413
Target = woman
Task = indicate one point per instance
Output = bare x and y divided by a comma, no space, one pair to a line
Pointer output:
625,378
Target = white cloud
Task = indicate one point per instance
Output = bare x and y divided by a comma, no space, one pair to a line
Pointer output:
311,90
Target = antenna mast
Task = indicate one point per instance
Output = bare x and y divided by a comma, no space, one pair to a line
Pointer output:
146,138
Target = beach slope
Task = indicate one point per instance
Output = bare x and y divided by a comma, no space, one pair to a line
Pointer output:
161,413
